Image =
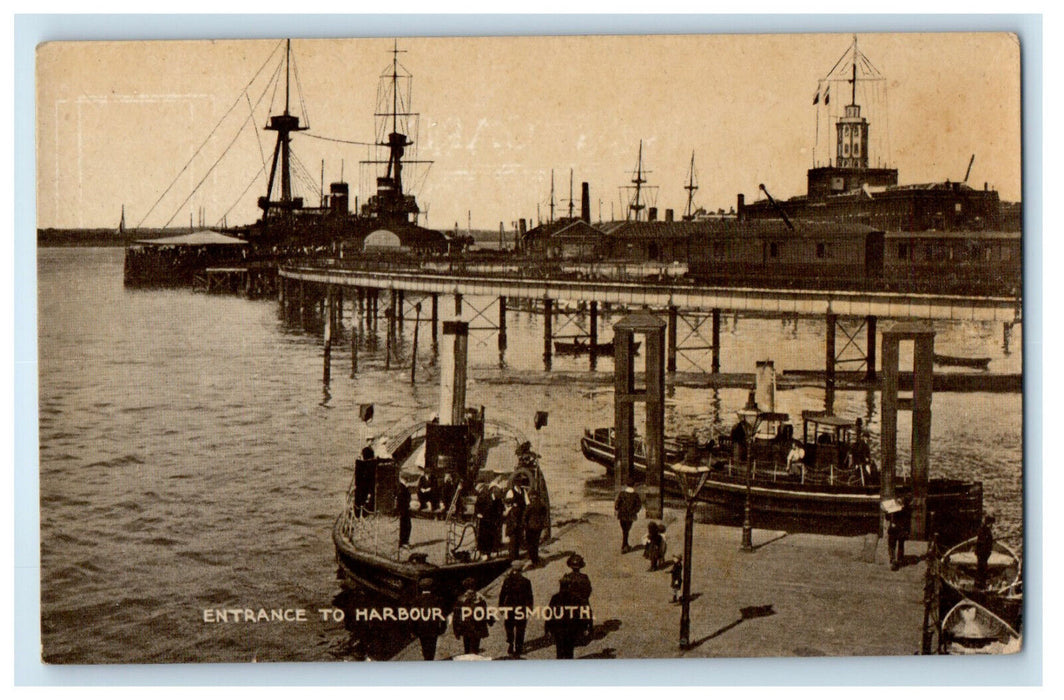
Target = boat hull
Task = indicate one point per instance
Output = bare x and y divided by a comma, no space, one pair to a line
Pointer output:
397,580
856,507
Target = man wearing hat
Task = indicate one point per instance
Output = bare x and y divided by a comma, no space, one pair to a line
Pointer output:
469,625
429,626
984,546
578,583
898,532
516,592
627,507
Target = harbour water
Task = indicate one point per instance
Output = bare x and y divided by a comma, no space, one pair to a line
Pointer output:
190,460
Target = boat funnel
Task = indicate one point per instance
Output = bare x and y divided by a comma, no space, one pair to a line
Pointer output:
765,386
453,352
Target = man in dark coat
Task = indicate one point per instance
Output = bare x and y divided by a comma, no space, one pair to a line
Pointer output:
471,622
516,592
403,509
984,546
627,507
537,519
431,622
566,625
515,523
579,585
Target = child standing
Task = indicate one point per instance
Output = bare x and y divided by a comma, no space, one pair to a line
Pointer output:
677,578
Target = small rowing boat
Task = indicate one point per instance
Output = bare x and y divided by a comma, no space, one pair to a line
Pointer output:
582,347
959,568
969,628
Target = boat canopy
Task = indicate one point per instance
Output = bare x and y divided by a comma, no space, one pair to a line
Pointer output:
197,238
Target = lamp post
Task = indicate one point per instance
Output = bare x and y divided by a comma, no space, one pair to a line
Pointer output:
750,416
699,474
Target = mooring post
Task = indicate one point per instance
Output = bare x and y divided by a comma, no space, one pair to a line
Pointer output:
593,332
870,345
413,354
829,362
548,319
715,362
671,362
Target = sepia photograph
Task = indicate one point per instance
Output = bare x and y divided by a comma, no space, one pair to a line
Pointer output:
530,347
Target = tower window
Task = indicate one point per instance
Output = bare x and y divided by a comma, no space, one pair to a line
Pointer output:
773,250
822,250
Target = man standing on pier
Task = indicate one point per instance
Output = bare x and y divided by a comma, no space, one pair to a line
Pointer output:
627,507
428,627
537,519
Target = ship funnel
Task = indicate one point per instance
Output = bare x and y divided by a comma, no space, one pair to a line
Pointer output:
765,386
453,352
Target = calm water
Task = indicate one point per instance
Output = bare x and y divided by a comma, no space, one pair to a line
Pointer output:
189,459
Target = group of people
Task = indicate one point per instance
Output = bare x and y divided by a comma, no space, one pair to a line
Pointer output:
627,506
436,490
569,623
521,511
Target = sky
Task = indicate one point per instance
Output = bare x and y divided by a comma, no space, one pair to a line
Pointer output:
144,125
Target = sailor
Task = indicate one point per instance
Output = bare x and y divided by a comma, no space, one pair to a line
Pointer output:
898,532
627,507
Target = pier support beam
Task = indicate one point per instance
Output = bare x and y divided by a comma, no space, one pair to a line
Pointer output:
593,333
548,319
626,395
829,362
327,338
715,366
670,365
870,346
923,338
502,325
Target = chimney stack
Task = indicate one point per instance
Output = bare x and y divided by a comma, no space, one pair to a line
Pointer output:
668,215
652,214
739,206
585,203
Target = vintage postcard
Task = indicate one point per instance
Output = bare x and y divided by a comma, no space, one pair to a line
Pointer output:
595,347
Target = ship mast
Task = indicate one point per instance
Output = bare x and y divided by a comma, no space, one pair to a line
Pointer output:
570,193
284,125
636,206
552,195
690,187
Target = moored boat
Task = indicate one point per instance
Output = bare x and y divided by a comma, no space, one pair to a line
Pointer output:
960,564
955,361
581,347
969,628
484,462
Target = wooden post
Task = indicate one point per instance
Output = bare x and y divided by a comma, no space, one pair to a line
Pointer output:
413,354
655,417
327,356
923,368
399,308
829,362
715,364
548,320
457,305
623,384
502,324
354,350
389,312
671,361
889,417
870,345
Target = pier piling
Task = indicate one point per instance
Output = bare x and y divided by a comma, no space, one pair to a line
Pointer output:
671,361
829,362
327,353
715,363
548,318
870,345
593,332
413,353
